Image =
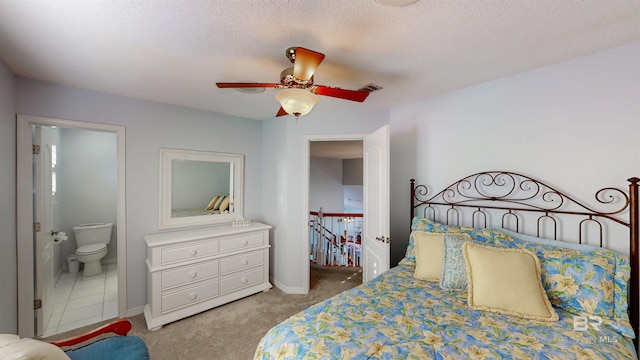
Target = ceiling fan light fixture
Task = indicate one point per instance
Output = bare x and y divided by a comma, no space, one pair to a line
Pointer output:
297,102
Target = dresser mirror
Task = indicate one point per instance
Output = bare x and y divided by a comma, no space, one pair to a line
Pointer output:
199,187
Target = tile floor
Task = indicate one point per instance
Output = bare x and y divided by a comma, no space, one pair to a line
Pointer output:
79,301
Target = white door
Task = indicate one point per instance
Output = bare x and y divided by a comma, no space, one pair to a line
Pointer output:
43,241
376,237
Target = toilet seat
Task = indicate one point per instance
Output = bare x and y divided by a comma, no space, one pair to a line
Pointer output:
91,249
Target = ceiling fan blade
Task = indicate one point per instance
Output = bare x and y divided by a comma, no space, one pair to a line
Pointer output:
281,112
225,85
353,95
306,63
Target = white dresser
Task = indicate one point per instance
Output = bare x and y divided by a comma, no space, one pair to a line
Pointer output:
191,271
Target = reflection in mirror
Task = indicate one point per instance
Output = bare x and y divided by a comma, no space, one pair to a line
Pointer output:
199,187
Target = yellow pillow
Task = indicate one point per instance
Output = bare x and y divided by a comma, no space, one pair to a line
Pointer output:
506,281
429,255
212,203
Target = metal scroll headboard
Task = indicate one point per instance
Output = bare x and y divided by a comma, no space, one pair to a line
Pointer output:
511,194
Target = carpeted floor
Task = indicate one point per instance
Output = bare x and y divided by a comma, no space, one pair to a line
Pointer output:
233,331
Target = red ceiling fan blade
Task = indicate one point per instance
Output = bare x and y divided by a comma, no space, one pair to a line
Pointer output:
225,85
281,112
306,63
353,95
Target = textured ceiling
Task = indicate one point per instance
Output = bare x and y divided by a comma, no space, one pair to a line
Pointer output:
174,51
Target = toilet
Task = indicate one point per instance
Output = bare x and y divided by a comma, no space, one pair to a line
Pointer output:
92,240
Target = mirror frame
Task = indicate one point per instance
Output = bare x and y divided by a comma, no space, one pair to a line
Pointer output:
167,156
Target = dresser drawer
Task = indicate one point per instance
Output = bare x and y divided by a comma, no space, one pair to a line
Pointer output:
242,280
189,296
242,261
189,273
193,270
195,250
241,242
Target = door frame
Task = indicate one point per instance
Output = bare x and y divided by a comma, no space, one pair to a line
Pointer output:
24,211
306,160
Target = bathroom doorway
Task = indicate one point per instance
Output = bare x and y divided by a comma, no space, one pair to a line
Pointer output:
81,181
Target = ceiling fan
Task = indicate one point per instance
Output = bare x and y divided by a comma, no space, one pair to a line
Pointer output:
298,93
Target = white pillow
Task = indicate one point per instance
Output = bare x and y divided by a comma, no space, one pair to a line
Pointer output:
216,206
14,348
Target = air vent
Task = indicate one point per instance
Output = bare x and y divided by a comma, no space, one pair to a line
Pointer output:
396,3
371,87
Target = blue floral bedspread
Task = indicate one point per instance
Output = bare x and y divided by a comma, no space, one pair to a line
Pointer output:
396,316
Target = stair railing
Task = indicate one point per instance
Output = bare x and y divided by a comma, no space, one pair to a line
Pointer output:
335,238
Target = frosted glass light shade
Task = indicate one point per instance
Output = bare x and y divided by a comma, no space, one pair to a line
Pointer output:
297,102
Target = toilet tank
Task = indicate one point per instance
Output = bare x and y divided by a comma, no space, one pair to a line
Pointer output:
95,233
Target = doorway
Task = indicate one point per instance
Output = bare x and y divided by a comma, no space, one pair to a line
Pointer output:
335,202
40,319
376,173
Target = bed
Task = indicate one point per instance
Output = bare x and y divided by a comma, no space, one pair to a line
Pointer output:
220,204
482,292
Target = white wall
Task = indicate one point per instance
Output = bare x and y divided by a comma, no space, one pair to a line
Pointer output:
352,171
353,195
574,125
149,126
325,185
8,260
332,182
352,178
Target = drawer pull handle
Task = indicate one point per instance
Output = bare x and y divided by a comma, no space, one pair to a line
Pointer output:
245,262
194,252
245,280
193,274
193,296
245,243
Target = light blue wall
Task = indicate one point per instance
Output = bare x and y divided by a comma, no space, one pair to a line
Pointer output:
8,261
195,183
87,184
283,145
149,126
275,183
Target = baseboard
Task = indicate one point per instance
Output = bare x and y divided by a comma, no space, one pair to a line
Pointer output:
109,261
286,289
135,311
57,276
